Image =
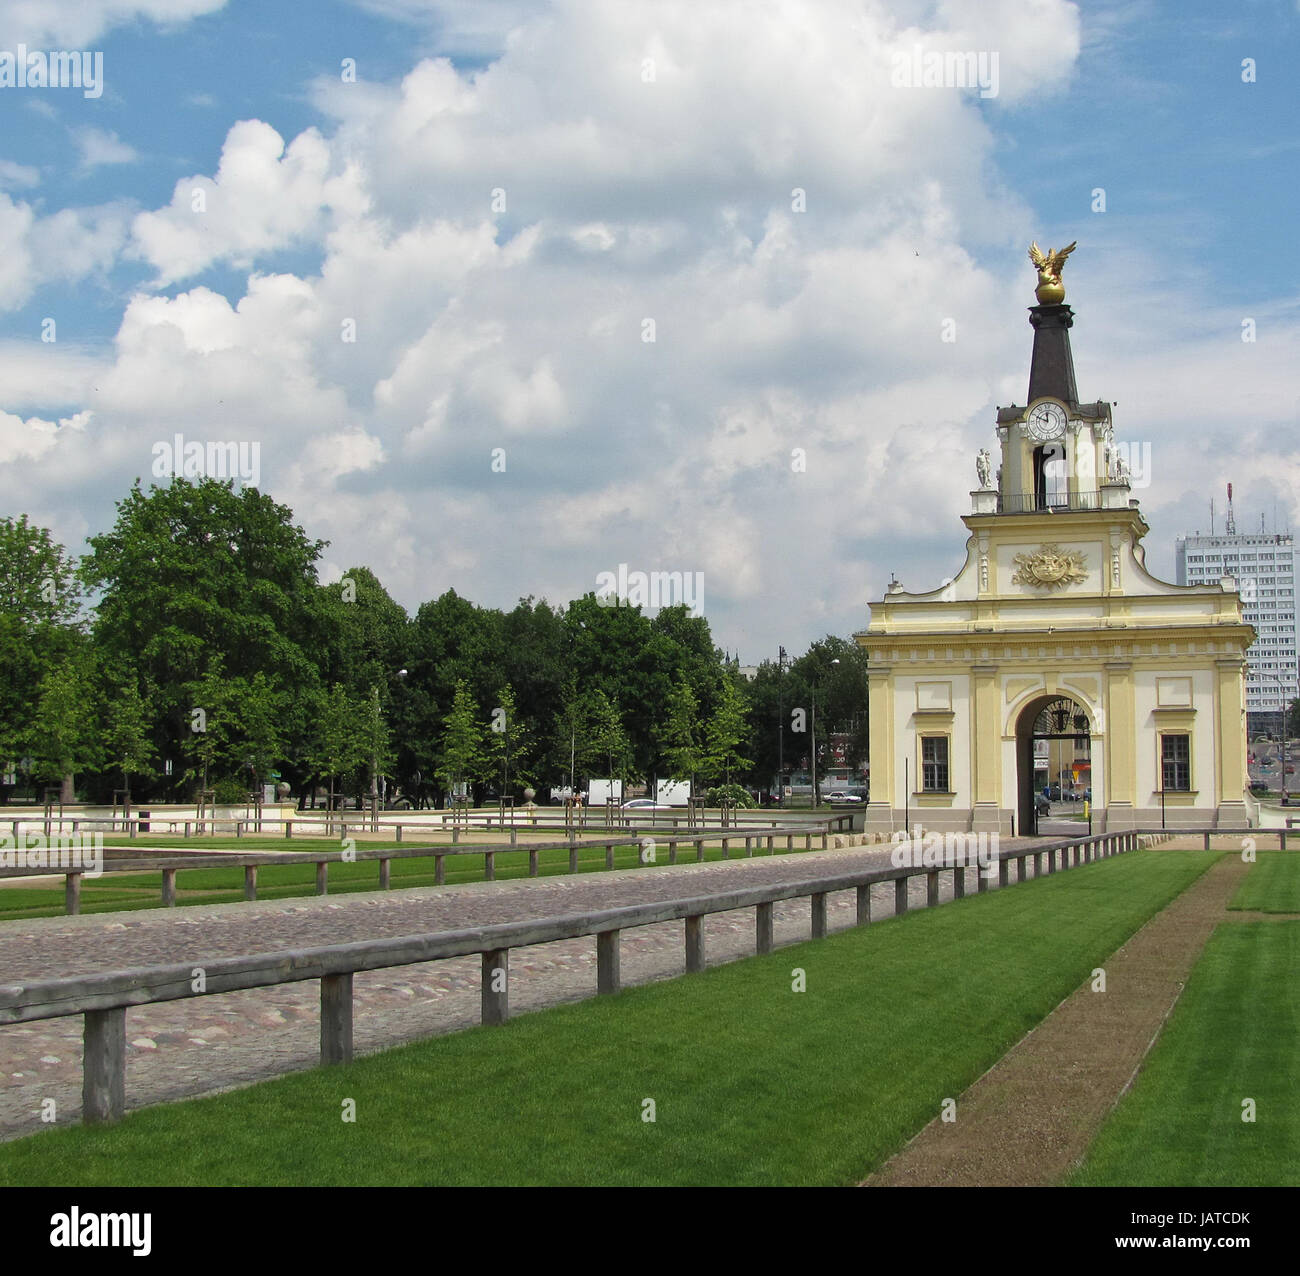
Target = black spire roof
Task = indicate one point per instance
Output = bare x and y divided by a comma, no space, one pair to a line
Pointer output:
1051,371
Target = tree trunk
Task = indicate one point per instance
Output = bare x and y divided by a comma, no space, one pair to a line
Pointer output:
69,793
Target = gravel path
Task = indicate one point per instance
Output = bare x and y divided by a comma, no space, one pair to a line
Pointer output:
184,1048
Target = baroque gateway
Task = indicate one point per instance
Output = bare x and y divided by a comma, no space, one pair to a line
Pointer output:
1054,656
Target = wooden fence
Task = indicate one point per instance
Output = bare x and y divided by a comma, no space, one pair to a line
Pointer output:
103,998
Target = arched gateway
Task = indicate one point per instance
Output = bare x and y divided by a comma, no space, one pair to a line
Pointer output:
1055,633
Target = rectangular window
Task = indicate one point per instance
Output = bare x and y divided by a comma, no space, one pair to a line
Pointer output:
934,763
1176,763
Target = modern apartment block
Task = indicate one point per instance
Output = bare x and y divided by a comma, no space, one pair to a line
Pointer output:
1263,564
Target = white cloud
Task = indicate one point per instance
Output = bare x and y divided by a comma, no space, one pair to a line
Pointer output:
40,23
437,328
18,176
102,146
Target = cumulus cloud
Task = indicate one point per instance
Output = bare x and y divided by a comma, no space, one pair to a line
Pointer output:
38,23
668,285
99,146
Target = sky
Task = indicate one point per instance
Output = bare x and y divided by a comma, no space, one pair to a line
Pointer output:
502,295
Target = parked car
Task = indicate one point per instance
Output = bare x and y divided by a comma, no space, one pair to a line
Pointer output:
841,798
644,804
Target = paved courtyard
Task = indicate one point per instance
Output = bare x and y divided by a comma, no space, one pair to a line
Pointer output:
184,1048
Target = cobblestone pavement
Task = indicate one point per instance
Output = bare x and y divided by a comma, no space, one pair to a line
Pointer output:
183,1048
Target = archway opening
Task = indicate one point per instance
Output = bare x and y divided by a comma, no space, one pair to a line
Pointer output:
1053,757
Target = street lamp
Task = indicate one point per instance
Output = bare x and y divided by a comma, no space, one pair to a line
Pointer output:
374,758
780,727
815,796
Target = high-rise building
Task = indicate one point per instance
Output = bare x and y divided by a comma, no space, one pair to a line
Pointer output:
1263,565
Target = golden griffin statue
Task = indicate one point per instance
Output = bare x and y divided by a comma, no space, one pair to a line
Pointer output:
1050,290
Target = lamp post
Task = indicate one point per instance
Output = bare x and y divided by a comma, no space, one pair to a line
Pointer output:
815,796
780,727
374,757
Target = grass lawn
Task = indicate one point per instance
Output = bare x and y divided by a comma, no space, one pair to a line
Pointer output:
118,891
753,1082
1234,1035
1272,885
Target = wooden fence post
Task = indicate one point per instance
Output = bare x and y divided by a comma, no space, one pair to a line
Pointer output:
864,905
532,862
336,1018
900,896
607,968
439,870
72,894
103,1076
694,944
1004,872
763,928
322,877
169,888
385,874
489,866
496,986
932,888
250,881
819,915
959,882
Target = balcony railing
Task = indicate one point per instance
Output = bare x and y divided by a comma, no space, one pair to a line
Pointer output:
1039,502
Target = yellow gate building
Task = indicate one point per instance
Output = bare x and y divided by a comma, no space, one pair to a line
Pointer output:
1054,659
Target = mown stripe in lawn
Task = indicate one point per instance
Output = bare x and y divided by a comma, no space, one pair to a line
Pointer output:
1234,1036
752,1082
1272,885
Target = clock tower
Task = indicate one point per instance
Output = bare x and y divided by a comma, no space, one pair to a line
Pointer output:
1054,663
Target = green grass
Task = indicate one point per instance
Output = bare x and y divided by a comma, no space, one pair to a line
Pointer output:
753,1083
128,891
1234,1035
1272,885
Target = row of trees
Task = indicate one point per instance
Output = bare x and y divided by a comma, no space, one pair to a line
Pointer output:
192,648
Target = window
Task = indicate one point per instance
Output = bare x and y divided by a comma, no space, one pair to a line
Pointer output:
1176,763
934,763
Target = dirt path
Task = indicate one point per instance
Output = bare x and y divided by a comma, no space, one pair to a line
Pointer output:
1030,1117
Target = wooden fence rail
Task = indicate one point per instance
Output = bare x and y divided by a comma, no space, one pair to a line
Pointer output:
250,862
103,998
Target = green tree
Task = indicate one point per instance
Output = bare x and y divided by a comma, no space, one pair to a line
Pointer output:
40,623
511,745
126,729
679,747
726,735
336,740
65,732
461,756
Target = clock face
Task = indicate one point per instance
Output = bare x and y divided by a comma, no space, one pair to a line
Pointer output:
1046,421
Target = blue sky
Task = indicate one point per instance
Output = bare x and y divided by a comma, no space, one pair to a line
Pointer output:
777,330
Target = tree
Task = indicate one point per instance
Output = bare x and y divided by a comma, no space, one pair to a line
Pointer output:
336,740
461,757
64,734
40,623
510,744
679,747
725,735
126,730
195,574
